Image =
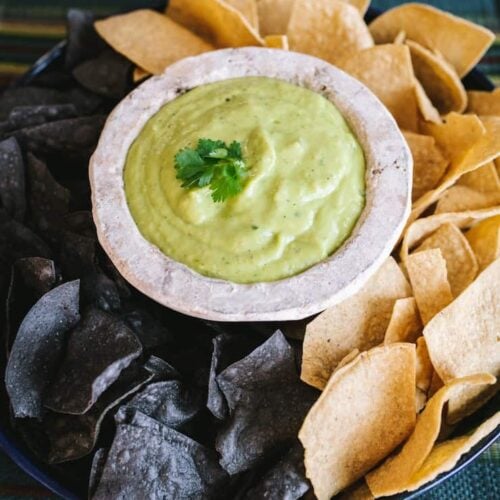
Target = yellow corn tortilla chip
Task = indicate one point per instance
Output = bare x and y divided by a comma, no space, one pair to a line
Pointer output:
417,231
248,9
139,74
420,400
429,164
462,339
361,5
461,263
215,20
436,384
461,198
484,103
347,359
274,16
429,280
427,110
365,411
387,71
394,475
357,491
461,42
438,78
276,42
484,179
479,145
484,239
150,39
400,38
405,324
358,322
424,366
330,30
444,456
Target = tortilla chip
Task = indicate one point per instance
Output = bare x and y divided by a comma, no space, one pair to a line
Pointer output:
461,42
427,110
424,366
139,74
365,411
444,456
484,103
484,239
248,9
284,479
462,339
405,324
420,229
484,179
469,143
276,42
461,263
37,348
438,78
216,21
361,5
357,491
436,383
396,472
329,30
429,280
347,359
387,71
267,404
358,322
420,400
462,198
12,179
150,39
274,16
400,38
429,164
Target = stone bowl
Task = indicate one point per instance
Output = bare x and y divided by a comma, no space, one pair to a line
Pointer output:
172,284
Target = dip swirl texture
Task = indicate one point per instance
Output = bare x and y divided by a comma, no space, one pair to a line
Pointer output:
303,196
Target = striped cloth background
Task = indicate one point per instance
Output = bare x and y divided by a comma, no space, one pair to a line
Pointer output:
29,28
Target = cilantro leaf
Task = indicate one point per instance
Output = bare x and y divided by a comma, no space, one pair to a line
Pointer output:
213,164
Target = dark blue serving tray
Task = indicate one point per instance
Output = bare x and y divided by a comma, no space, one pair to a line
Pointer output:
72,489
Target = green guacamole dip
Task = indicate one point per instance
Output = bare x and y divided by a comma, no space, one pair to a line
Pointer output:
304,192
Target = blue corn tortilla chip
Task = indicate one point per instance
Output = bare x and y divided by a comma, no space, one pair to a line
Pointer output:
78,260
107,75
98,349
74,436
226,350
29,116
48,200
285,480
31,278
83,41
98,462
18,241
71,135
151,332
267,404
12,179
30,96
149,460
37,348
168,402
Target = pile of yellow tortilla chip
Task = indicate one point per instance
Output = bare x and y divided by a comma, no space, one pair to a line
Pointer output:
416,350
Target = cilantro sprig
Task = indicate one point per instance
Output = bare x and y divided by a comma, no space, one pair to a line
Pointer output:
213,163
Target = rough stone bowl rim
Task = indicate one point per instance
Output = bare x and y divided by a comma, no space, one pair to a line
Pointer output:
172,284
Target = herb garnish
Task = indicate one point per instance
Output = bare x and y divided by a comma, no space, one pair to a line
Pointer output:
213,163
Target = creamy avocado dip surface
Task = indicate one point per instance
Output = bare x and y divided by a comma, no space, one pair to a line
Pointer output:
304,192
